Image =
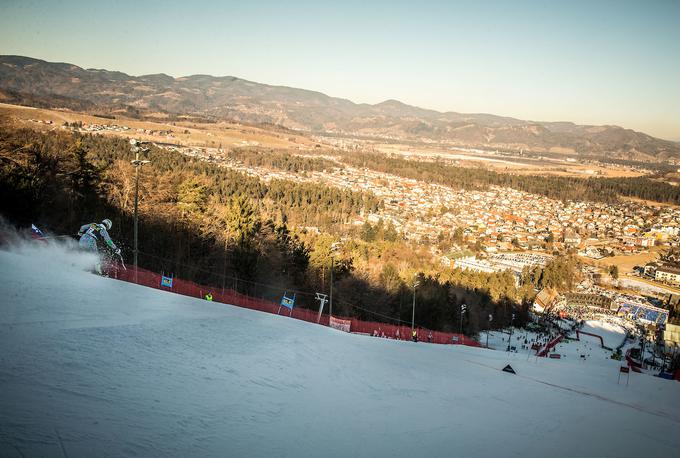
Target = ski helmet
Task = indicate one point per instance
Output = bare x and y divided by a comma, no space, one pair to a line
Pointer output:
107,223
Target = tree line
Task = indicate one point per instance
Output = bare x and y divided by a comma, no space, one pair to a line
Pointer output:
281,160
555,187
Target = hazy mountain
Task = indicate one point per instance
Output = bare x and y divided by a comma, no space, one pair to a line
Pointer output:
36,82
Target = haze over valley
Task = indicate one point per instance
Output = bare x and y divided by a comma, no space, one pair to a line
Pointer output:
60,85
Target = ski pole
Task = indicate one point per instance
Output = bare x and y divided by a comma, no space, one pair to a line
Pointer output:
121,261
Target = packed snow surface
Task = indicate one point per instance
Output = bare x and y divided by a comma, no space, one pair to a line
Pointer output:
91,366
612,333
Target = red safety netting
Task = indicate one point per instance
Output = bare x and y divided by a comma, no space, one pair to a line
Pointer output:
545,350
228,296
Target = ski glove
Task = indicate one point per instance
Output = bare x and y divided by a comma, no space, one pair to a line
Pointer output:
117,251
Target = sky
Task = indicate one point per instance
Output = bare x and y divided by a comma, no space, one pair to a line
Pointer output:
596,62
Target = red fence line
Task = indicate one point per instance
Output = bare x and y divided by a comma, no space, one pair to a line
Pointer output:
578,336
228,296
546,349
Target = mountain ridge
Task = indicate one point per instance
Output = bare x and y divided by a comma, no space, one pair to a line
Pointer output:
235,99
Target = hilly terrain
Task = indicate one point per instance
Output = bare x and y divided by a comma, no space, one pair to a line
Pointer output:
34,82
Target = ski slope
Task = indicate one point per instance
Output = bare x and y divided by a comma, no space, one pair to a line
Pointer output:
612,334
92,366
587,350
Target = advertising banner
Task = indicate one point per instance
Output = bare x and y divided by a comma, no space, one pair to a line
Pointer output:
288,302
340,325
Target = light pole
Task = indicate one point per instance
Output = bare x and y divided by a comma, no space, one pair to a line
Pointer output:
487,330
330,302
334,248
413,312
137,163
463,308
512,320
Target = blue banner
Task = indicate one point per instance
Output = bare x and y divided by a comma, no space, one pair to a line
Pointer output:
287,301
166,281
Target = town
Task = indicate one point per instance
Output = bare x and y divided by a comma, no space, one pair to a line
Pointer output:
498,220
491,231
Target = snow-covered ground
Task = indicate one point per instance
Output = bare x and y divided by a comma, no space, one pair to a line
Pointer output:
91,366
612,333
587,349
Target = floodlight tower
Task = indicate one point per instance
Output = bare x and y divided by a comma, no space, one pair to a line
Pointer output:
136,148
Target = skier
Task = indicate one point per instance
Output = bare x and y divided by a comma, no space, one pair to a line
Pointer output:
90,233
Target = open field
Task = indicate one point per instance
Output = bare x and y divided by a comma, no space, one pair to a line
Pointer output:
180,133
649,203
515,165
229,135
580,171
638,283
625,263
